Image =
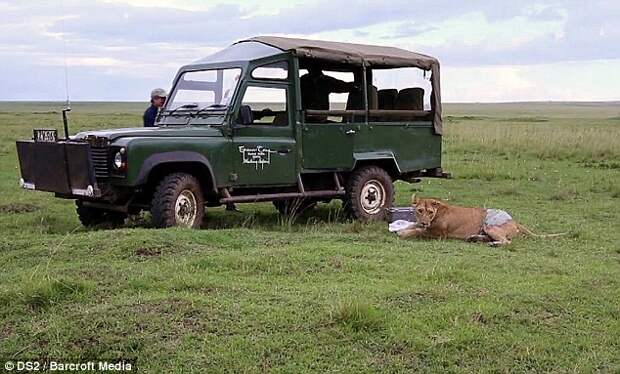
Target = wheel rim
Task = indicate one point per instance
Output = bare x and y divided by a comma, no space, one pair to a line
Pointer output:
185,209
372,198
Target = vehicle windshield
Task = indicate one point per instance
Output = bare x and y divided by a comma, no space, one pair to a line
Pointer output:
204,90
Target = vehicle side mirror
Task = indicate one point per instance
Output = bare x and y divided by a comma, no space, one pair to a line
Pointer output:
245,116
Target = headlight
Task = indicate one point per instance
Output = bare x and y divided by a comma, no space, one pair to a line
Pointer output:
119,159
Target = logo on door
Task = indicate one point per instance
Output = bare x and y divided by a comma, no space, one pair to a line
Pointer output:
256,156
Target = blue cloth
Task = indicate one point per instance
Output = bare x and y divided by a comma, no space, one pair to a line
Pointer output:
496,217
149,116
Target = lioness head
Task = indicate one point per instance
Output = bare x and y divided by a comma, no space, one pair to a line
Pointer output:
425,210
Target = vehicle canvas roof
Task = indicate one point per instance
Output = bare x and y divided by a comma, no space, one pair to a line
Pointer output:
344,53
348,53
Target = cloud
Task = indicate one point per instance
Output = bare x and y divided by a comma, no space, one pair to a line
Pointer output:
139,44
409,29
84,61
113,21
547,13
578,81
586,32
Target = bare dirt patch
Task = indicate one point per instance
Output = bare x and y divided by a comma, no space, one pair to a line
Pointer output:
148,252
18,208
478,318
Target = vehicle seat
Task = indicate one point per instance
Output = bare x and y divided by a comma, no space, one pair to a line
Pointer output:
373,98
410,99
387,98
355,101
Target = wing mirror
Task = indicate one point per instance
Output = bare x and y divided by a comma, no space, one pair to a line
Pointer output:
245,116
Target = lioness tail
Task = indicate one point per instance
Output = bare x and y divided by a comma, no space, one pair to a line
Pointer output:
529,232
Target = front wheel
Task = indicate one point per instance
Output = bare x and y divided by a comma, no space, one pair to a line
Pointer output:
369,193
178,201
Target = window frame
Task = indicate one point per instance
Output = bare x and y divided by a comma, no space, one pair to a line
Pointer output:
180,76
285,79
282,85
403,115
304,114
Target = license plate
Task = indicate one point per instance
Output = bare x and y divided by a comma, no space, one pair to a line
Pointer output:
45,135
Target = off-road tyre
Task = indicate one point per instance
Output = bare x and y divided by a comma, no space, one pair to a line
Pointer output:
90,217
178,201
293,207
369,193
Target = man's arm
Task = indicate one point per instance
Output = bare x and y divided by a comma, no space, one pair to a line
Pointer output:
337,85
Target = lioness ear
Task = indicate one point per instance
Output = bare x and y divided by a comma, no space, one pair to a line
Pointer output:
414,199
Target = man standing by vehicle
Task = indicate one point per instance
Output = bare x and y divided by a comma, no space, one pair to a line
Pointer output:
315,90
158,98
316,87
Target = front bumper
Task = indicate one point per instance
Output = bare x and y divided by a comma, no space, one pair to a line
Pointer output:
64,167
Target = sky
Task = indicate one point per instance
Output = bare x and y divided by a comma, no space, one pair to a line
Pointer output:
490,51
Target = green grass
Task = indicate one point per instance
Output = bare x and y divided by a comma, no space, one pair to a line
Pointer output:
254,292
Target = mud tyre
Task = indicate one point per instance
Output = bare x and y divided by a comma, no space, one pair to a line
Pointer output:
178,201
369,193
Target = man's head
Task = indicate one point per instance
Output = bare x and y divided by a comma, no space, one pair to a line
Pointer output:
158,97
314,70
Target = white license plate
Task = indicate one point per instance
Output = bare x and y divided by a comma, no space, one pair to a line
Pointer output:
45,135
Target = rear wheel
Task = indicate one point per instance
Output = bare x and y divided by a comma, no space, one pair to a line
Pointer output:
294,206
89,216
178,201
369,193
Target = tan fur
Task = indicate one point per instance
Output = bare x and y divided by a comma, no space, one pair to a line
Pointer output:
436,219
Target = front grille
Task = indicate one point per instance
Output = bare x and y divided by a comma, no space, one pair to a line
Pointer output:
100,159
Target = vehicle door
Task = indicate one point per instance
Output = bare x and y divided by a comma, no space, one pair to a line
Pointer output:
328,145
264,150
328,136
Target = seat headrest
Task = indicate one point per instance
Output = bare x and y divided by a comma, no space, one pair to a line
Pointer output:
373,98
410,99
387,98
355,100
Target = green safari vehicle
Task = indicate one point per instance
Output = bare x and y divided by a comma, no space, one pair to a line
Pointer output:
292,121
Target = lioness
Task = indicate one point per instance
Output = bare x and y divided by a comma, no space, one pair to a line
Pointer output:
437,219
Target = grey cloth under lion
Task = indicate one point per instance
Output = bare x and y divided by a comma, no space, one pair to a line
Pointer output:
496,217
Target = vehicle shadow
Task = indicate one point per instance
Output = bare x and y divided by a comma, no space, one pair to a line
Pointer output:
256,216
266,217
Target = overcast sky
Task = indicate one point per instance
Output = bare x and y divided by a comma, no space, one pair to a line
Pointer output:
490,50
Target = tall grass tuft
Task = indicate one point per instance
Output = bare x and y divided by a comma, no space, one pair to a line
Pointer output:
40,294
357,315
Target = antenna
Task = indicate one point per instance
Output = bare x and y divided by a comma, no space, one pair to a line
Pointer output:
67,107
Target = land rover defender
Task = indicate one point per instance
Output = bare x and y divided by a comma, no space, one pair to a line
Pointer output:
291,121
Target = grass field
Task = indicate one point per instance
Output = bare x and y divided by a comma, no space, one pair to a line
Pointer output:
253,292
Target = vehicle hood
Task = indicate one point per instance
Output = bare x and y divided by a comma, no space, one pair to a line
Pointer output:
149,132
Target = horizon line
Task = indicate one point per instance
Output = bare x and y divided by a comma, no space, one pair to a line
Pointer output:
444,102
